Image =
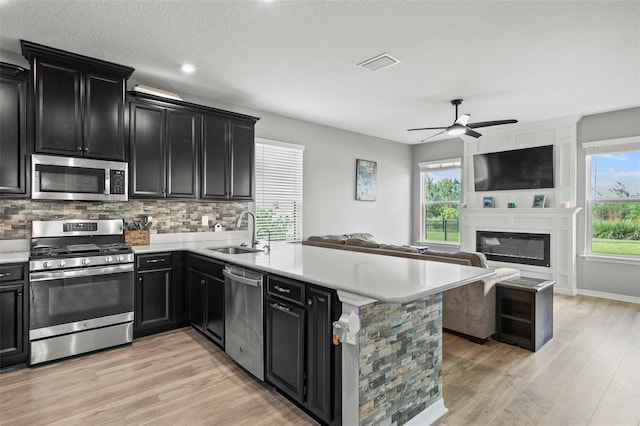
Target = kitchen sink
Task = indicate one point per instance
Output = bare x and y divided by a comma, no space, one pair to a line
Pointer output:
234,250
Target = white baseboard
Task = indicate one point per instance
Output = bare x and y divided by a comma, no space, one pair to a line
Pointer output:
612,296
429,415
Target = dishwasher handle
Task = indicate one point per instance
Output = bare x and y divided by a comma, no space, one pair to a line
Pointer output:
242,280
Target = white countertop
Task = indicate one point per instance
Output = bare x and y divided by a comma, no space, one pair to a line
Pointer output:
14,251
385,278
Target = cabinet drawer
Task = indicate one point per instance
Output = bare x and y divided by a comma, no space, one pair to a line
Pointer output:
12,272
287,289
206,266
153,261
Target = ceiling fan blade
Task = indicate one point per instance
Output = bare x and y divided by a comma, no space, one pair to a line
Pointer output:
490,123
463,119
426,128
432,136
473,133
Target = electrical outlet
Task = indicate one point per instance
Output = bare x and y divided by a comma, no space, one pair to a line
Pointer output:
205,220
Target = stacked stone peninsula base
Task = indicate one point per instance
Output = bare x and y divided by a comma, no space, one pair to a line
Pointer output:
399,363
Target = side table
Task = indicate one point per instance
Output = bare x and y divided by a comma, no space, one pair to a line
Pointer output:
524,312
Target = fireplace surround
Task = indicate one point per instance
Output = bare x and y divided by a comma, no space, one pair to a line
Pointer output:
515,247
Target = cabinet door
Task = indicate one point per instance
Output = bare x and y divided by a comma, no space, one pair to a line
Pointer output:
58,109
182,142
104,117
12,324
215,154
153,304
196,282
285,348
13,130
242,143
319,341
214,310
147,159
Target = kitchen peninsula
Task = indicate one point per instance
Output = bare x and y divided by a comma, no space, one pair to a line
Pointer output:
392,372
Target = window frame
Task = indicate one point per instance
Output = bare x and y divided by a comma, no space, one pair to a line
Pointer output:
438,165
609,146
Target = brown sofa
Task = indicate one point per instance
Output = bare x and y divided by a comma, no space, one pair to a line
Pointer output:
468,310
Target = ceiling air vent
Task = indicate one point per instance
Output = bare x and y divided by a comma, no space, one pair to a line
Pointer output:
379,62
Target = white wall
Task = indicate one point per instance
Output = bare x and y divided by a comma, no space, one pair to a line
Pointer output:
602,276
329,176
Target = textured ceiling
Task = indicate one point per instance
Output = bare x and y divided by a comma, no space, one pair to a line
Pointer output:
529,60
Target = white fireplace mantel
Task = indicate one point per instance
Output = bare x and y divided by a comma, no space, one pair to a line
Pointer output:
559,223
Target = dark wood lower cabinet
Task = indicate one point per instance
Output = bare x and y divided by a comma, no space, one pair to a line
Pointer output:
301,360
285,357
160,300
205,284
153,300
14,315
319,347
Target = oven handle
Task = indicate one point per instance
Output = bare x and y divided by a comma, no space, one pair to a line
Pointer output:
74,273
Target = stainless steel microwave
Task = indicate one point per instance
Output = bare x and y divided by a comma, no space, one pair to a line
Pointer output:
69,178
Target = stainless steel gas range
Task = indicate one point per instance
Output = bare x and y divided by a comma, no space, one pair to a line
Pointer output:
81,288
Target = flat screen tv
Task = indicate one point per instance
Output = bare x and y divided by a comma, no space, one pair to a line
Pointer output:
529,168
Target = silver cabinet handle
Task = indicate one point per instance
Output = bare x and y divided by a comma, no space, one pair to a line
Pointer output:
154,260
282,290
5,274
280,307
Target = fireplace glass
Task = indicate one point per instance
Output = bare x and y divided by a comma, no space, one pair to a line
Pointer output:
515,247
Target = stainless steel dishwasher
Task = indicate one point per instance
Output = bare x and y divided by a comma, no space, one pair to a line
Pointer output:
243,319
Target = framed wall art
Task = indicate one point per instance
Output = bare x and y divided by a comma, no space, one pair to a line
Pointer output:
366,174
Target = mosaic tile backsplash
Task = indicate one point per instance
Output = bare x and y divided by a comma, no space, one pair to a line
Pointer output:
400,360
169,216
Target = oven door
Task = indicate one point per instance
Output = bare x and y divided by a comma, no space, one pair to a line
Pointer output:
67,301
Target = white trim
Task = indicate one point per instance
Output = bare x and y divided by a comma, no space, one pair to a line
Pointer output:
429,415
610,259
451,163
281,144
609,142
611,296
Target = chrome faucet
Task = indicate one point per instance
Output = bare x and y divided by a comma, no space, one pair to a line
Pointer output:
268,246
254,242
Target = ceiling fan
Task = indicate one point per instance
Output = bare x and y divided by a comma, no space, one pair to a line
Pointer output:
461,125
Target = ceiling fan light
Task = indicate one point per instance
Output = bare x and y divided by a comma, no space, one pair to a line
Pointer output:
456,130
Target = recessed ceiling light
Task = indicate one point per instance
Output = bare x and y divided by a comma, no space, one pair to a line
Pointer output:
188,68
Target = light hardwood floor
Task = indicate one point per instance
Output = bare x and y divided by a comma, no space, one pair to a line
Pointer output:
588,374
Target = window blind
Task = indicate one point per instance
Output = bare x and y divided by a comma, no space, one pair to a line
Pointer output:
279,189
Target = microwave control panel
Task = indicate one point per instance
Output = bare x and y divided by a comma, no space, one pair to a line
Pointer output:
117,180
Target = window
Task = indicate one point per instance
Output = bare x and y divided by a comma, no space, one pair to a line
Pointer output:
440,196
613,198
279,189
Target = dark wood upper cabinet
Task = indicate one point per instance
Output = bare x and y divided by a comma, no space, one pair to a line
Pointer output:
182,154
209,153
79,103
228,158
58,109
215,152
164,151
147,165
104,134
242,143
13,131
